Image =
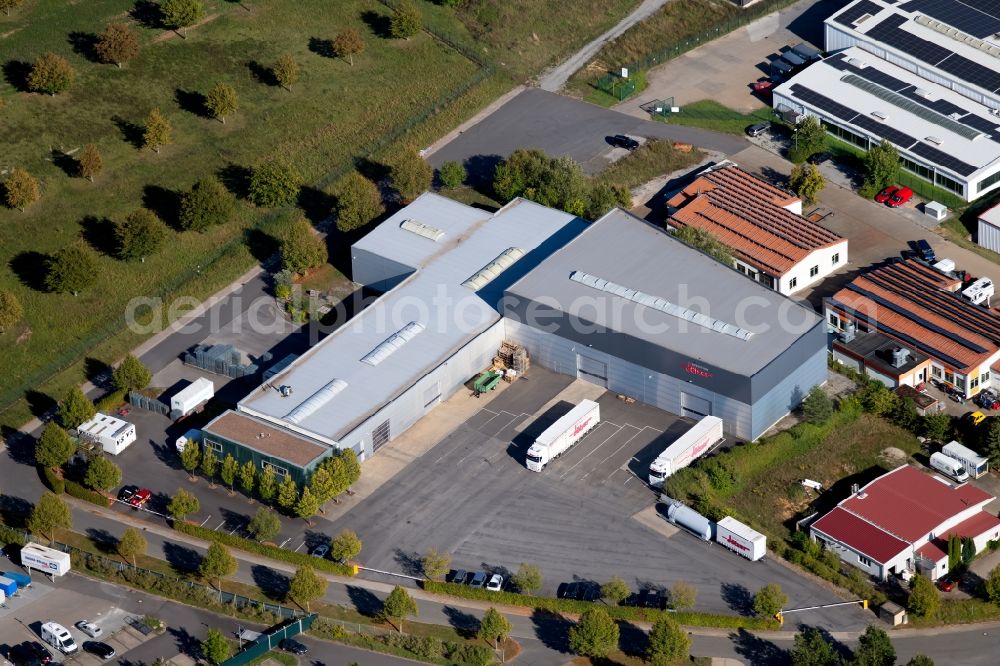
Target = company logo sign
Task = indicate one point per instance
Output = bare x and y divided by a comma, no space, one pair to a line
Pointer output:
580,427
695,451
39,563
697,370
733,542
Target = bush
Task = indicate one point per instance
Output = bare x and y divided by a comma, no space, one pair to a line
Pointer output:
74,489
250,546
51,480
451,174
10,535
111,401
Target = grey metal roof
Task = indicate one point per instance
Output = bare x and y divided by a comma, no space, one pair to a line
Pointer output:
416,326
630,253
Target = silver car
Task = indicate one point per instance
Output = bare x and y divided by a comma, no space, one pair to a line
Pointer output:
89,628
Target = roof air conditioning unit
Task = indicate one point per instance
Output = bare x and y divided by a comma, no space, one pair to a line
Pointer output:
881,116
933,139
899,356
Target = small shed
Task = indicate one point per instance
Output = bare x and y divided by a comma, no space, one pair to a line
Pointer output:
893,613
935,211
925,404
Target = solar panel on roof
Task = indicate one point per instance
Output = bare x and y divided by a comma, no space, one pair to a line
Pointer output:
889,32
822,102
942,159
884,131
988,125
991,7
960,15
970,71
850,15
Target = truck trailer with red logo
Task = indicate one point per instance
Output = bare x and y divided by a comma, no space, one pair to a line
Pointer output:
563,434
696,442
741,539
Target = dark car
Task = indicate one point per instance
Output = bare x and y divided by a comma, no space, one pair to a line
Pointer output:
293,646
478,579
23,654
654,599
40,651
569,590
757,129
820,158
622,141
127,493
99,649
590,592
458,576
987,400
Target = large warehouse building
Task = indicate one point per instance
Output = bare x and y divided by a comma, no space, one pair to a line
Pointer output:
699,339
923,75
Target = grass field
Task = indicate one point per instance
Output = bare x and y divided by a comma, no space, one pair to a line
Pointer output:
397,91
709,114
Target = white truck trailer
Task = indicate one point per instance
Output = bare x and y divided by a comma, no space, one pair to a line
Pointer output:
740,538
45,559
975,464
563,434
697,441
113,434
187,399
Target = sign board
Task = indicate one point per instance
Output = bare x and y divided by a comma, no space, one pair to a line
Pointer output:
624,72
48,560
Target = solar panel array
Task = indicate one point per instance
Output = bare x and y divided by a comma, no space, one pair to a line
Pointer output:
942,158
987,125
942,106
823,102
884,131
854,12
974,21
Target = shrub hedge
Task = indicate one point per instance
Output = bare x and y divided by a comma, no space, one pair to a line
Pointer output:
425,648
251,546
630,613
10,535
74,489
51,480
110,402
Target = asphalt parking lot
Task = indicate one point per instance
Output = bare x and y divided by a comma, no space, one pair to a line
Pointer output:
472,496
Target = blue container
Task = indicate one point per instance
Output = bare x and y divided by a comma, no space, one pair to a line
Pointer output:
19,578
8,586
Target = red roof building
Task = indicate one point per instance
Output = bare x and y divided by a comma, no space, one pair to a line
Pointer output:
762,225
900,523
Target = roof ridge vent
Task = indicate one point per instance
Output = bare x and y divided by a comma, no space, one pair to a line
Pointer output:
421,229
492,270
308,406
385,349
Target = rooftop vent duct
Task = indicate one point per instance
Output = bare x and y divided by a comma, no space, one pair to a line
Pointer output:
899,357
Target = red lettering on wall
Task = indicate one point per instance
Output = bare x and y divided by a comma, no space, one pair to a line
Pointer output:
693,369
730,540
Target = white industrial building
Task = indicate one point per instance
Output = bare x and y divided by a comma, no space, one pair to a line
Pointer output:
113,434
988,232
923,74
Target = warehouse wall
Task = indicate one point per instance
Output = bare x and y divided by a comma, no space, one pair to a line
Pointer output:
787,394
415,402
378,273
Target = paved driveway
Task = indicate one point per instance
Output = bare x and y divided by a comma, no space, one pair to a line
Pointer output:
562,126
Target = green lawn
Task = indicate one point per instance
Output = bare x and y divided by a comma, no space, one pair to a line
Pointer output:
709,114
654,159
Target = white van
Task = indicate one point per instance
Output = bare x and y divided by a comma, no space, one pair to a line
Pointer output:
950,467
58,637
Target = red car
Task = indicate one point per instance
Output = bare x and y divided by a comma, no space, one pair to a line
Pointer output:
899,197
884,195
140,498
946,584
763,86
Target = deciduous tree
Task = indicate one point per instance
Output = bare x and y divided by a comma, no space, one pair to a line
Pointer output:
920,660
191,457
228,471
217,564
157,131
322,486
808,138
90,162
398,606
301,248
11,310
248,477
288,493
265,524
209,464
992,448
179,14
222,101
668,643
452,174
183,504
131,545
411,174
49,514
358,202
936,426
603,197
345,546
75,409
992,585
406,20
435,563
306,586
494,627
347,44
807,181
215,648
874,648
811,649
615,590
306,506
266,484
924,600
769,600
54,448
594,635
51,74
274,183
528,578
20,189
881,168
207,204
118,44
131,375
139,234
102,474
703,240
683,595
286,71
556,182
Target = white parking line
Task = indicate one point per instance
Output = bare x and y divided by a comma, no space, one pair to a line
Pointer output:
591,451
299,546
206,520
513,416
284,542
218,526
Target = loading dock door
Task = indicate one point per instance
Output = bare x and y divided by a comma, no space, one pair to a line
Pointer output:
695,407
592,370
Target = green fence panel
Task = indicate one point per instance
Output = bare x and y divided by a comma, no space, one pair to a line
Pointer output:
270,640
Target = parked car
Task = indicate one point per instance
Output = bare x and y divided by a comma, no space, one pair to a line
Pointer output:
140,498
763,86
987,400
622,141
127,492
757,129
293,646
568,590
820,158
478,579
590,592
884,195
458,576
900,197
495,584
321,550
23,654
40,651
99,649
654,599
946,584
977,417
89,628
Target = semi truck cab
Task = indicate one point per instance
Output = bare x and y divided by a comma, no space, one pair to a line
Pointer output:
536,458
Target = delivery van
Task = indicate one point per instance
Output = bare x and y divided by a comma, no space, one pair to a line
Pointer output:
949,467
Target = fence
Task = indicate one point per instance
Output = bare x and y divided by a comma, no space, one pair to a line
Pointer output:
140,401
616,86
270,640
223,360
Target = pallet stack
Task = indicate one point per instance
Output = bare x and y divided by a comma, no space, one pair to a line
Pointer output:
514,357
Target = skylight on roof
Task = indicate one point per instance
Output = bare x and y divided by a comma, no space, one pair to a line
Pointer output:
663,305
492,270
392,343
315,401
421,229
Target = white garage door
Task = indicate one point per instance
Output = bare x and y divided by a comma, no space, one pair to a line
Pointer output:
592,370
695,407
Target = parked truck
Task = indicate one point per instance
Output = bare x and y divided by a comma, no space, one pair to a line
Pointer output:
48,560
697,441
563,434
975,464
190,397
740,538
949,467
8,587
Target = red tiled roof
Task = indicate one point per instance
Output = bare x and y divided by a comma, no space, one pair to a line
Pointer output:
747,215
863,537
909,300
979,524
910,504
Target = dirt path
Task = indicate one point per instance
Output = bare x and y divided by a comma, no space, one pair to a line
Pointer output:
171,34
